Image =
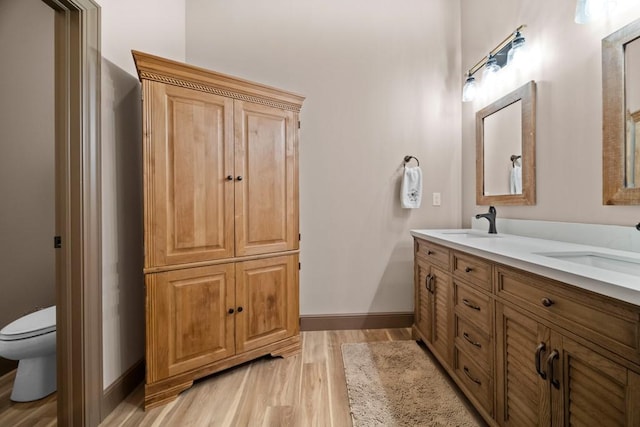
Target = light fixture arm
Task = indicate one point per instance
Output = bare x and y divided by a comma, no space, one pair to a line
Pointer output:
495,50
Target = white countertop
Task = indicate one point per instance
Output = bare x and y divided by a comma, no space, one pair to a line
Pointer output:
524,253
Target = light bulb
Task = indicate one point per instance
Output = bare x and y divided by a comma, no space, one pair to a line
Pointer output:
590,10
469,90
489,74
516,54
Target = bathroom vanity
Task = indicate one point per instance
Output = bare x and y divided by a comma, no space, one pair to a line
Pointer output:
534,331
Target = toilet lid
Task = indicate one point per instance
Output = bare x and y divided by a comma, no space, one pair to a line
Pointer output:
36,323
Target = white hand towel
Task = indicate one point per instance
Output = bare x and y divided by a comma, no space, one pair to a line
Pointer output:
411,192
515,180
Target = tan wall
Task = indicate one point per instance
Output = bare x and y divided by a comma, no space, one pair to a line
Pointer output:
566,64
27,189
380,84
154,26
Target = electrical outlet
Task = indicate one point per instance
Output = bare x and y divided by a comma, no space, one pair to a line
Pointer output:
436,199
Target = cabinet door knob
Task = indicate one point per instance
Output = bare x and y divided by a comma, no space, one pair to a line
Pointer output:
239,178
231,311
546,302
240,309
554,355
229,177
467,269
541,347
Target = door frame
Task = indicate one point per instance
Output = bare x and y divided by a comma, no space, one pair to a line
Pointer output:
78,211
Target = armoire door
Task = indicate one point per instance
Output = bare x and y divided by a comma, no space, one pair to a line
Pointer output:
266,186
190,319
188,180
267,301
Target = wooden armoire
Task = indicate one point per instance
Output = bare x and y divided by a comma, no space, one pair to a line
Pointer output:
221,239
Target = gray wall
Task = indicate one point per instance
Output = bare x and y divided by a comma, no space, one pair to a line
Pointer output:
565,61
27,187
381,83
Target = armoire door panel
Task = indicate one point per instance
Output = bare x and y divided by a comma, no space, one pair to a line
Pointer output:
191,154
188,324
266,289
266,181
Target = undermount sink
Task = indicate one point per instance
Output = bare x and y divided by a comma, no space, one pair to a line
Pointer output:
598,260
470,233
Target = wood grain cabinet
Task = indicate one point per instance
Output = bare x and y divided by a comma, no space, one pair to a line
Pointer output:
531,351
220,184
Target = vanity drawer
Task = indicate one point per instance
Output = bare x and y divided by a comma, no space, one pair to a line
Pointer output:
475,379
474,270
475,343
433,253
473,306
609,323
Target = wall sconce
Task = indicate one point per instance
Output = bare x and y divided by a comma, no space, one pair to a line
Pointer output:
509,51
592,10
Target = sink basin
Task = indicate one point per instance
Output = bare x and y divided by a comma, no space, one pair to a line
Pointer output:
594,259
471,234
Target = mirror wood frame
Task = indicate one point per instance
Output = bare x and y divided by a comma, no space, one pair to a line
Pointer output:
526,94
614,191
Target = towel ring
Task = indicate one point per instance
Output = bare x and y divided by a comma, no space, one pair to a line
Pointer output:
513,159
407,159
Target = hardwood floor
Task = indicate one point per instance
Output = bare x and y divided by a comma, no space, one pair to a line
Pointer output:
305,390
41,413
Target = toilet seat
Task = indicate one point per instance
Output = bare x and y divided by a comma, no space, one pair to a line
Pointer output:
34,324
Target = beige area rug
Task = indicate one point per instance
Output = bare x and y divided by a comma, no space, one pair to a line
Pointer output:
394,383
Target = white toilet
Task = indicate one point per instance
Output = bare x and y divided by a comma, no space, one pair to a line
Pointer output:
32,341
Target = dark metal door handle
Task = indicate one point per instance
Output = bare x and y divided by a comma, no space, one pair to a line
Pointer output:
468,374
239,178
541,347
468,270
231,310
470,304
229,177
472,342
429,252
554,355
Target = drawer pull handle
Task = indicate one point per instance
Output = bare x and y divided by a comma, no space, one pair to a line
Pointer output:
546,302
554,355
430,252
472,342
468,374
541,347
468,270
470,304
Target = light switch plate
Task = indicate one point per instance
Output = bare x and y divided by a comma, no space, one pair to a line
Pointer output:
436,199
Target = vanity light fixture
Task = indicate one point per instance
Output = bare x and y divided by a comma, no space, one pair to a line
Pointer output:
507,52
591,10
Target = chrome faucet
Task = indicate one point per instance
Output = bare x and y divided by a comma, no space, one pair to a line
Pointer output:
491,216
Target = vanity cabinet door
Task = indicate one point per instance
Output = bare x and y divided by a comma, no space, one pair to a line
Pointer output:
433,308
587,387
522,348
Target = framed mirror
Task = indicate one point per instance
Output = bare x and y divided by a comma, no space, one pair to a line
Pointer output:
621,116
506,149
